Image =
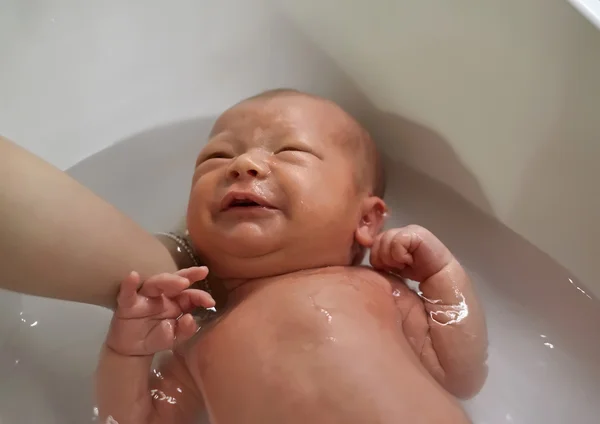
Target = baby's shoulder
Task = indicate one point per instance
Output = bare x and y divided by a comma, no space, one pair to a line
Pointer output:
360,273
404,292
369,273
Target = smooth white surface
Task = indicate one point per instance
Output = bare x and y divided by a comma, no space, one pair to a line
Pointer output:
590,9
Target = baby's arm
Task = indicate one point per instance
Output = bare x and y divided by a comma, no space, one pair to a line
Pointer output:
146,322
60,240
447,328
129,393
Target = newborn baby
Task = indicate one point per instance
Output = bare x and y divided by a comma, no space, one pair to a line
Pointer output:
286,198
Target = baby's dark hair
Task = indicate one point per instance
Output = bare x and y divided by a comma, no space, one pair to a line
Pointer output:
358,139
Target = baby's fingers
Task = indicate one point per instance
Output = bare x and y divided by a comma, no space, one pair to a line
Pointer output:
168,284
374,258
196,273
128,291
193,298
186,328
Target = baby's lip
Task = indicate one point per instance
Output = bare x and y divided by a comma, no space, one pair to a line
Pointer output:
244,199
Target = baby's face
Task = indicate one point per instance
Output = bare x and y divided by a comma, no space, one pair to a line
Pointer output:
274,190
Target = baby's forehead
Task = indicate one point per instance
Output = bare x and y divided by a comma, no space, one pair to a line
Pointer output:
282,116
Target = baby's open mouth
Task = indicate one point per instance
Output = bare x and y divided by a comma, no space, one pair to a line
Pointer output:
241,203
236,200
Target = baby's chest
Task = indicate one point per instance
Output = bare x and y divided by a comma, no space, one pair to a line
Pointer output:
304,316
307,337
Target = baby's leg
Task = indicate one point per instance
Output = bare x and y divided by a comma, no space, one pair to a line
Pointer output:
60,240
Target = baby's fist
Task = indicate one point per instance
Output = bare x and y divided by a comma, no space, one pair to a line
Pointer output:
411,252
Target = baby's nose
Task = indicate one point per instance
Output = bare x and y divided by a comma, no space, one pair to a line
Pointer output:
247,166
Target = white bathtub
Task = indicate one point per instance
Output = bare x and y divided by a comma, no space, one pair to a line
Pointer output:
510,87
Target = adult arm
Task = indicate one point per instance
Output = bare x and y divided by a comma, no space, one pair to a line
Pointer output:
60,240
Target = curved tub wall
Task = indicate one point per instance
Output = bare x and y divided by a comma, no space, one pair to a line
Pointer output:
513,90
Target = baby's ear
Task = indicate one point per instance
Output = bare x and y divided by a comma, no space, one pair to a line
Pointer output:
372,219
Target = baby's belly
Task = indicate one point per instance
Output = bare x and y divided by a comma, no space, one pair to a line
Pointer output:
322,347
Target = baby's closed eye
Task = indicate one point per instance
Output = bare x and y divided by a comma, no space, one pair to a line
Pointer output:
296,151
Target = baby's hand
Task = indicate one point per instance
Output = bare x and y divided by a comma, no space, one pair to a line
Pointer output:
151,316
411,252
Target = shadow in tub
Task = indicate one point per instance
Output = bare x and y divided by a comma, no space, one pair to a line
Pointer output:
561,176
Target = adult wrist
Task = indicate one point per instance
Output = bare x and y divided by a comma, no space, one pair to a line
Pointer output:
180,249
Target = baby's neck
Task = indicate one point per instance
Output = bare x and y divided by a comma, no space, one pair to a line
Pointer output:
236,289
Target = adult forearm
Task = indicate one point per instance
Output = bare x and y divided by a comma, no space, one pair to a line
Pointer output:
60,240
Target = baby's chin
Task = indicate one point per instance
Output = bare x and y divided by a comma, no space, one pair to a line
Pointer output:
242,240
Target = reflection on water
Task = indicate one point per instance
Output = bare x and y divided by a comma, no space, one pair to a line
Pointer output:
542,323
454,316
580,289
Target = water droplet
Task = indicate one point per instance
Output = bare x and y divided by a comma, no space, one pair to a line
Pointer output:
582,291
550,345
543,336
33,324
327,314
396,293
453,316
162,396
95,414
414,286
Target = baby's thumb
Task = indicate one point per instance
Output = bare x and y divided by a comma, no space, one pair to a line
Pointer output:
196,273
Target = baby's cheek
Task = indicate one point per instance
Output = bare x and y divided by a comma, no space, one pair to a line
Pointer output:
201,193
198,214
193,209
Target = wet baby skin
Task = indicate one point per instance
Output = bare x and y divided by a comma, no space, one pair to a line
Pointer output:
286,198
